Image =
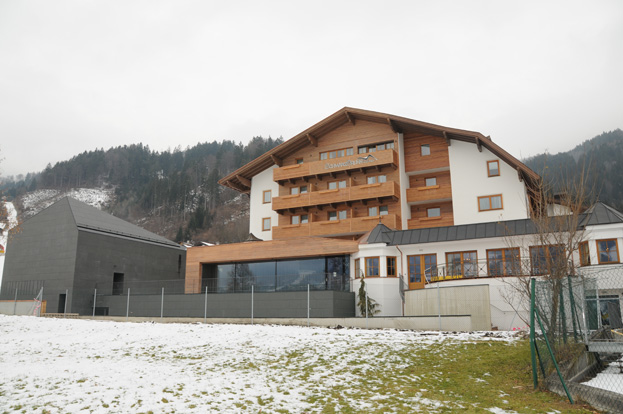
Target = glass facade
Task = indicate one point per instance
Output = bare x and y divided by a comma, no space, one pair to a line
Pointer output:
322,273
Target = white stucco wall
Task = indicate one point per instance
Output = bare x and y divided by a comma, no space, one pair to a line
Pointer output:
257,209
470,180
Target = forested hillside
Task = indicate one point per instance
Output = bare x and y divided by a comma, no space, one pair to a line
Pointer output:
599,158
172,193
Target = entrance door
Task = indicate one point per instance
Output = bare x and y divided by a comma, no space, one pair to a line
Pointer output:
422,268
61,302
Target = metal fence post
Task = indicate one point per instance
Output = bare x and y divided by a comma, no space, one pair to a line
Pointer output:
205,308
94,301
66,300
127,309
308,305
252,304
15,303
162,304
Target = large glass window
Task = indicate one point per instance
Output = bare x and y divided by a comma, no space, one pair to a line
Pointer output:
503,262
462,264
546,259
607,251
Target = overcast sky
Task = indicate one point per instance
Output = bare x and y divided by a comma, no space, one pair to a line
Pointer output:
80,75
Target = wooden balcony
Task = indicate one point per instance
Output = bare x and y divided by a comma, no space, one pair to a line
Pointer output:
336,227
422,195
336,165
341,195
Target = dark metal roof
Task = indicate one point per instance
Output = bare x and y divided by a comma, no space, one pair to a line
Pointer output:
90,218
600,213
451,233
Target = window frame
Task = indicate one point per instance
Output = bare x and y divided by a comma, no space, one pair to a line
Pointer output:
299,161
270,196
377,267
376,179
299,218
425,150
337,184
357,268
616,245
389,266
428,216
380,146
535,268
490,198
515,262
489,168
264,224
326,155
426,184
585,253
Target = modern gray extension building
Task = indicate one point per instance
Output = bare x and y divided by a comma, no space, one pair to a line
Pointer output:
71,249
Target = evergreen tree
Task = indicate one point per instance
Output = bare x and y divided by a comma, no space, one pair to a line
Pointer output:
364,301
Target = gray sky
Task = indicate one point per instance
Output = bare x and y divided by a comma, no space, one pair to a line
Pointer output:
80,75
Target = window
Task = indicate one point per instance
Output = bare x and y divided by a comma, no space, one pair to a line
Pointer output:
378,211
585,255
377,179
333,185
372,266
544,259
357,268
267,197
493,168
338,215
266,224
431,181
375,147
422,265
298,190
425,149
492,202
300,219
299,160
607,251
503,262
462,264
336,153
391,266
433,212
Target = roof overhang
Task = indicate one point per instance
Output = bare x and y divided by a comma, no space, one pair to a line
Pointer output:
240,180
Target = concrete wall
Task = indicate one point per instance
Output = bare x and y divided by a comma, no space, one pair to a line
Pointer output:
323,304
100,256
43,252
463,300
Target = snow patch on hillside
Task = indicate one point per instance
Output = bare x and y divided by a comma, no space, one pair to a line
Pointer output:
38,200
11,222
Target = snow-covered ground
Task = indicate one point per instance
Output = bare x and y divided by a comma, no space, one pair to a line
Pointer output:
12,222
38,200
71,366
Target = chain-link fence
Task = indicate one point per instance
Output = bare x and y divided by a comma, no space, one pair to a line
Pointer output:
577,337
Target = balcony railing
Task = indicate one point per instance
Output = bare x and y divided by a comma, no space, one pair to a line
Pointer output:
345,226
340,195
335,165
419,195
484,268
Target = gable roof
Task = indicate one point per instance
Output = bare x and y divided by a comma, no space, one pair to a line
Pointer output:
239,179
91,219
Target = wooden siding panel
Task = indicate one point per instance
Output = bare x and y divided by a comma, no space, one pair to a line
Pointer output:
418,192
419,219
414,161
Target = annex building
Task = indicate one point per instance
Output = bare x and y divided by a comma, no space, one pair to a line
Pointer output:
407,204
70,250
